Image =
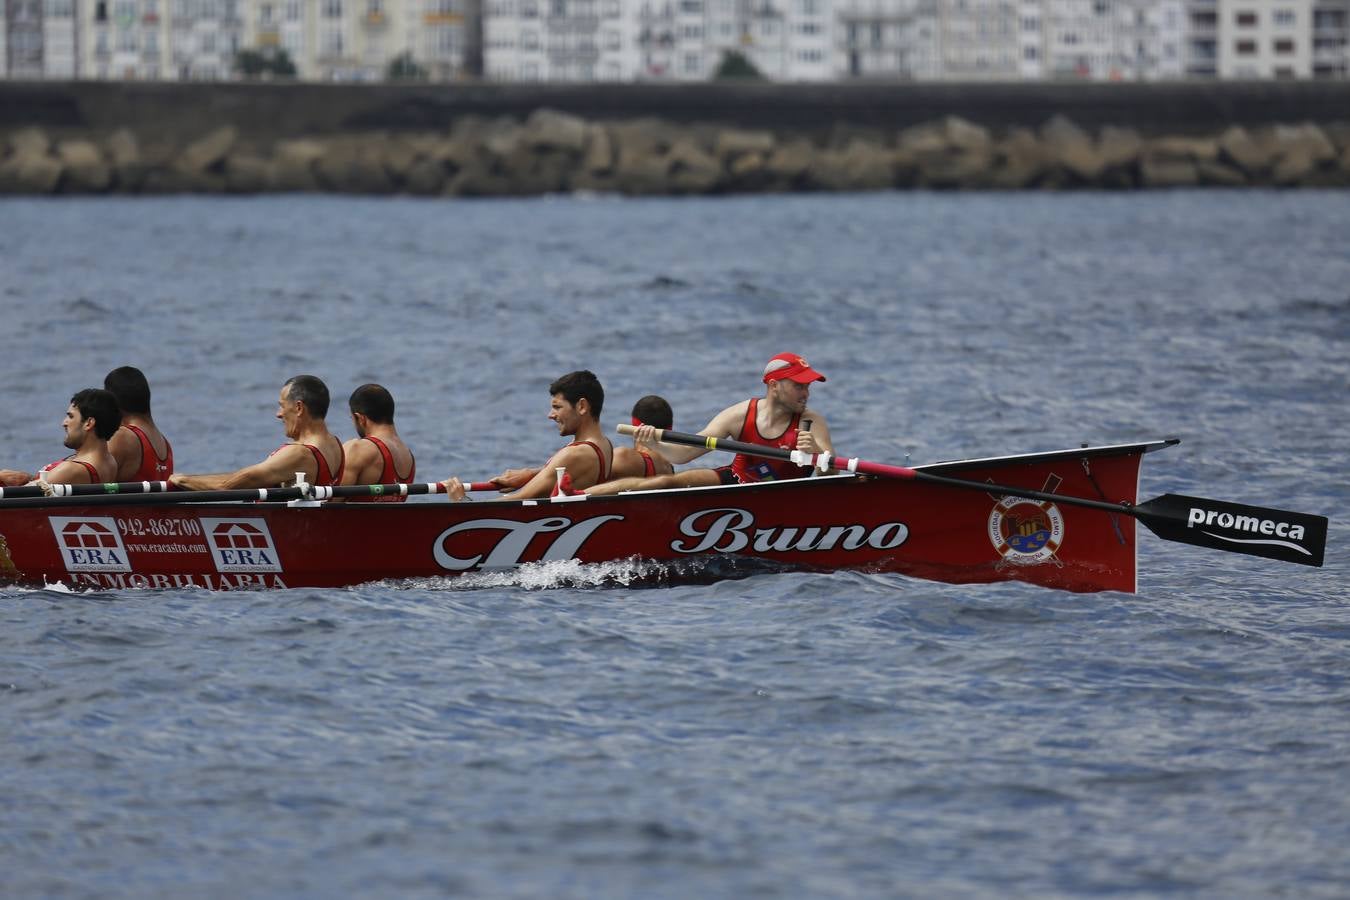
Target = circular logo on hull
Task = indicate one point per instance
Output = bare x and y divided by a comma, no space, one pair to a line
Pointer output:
1026,532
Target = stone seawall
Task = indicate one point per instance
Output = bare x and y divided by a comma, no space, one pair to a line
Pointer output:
495,141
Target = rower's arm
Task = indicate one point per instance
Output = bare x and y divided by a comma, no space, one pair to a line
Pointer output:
276,470
363,462
68,473
512,479
14,478
579,461
125,448
725,424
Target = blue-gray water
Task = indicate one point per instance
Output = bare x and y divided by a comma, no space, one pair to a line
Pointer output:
560,734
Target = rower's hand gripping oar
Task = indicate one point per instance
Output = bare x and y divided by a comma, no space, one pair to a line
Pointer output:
1254,530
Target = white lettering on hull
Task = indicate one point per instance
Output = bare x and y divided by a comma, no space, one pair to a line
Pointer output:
728,530
159,581
516,539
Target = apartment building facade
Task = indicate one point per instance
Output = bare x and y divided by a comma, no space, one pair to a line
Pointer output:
684,40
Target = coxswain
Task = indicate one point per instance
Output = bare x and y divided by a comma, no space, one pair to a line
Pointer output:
377,454
312,450
576,401
142,451
91,420
779,419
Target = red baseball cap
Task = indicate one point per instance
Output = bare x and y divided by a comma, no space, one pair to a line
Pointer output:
790,365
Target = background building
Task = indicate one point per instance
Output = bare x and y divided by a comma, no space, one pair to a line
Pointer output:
681,40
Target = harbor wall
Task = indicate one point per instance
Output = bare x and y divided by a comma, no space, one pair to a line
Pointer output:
477,139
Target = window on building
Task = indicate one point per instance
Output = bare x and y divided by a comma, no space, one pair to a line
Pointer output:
611,9
876,34
1031,23
693,63
1030,54
613,40
1246,20
150,40
558,7
1285,17
529,72
1284,73
1245,48
332,9
126,41
691,6
530,40
293,10
1284,46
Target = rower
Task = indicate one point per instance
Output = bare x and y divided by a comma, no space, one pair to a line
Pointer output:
377,453
91,420
577,399
780,419
312,450
140,448
645,460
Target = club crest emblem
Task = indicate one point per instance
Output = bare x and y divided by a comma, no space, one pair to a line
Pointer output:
1026,532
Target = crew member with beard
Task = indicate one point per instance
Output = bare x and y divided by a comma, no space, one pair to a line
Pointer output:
577,399
779,419
377,454
91,420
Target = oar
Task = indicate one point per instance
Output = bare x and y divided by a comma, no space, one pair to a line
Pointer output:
1255,530
159,493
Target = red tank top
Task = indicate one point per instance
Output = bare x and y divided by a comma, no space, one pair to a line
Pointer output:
388,475
94,477
648,464
325,477
604,469
757,468
153,467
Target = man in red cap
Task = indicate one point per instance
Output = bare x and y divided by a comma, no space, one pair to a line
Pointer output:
780,419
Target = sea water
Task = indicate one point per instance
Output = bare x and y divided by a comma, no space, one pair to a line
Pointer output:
573,731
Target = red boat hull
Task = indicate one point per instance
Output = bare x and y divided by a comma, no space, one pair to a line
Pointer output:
922,530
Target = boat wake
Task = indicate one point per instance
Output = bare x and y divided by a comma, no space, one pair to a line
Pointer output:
630,572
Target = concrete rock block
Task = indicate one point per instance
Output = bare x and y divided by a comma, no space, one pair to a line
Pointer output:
548,129
209,152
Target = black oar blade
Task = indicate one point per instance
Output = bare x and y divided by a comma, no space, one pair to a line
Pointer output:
1254,530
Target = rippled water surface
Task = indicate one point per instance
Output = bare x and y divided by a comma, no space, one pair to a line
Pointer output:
569,731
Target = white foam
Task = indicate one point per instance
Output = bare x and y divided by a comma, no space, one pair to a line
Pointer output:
562,573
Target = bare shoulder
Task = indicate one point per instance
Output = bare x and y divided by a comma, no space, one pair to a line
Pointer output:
728,421
123,438
68,472
359,449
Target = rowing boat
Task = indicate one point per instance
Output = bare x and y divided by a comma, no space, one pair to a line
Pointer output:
1062,519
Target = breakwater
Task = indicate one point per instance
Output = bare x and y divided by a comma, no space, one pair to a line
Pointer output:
642,139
